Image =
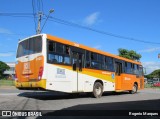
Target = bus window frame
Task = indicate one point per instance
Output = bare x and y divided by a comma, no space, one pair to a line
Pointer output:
100,62
57,53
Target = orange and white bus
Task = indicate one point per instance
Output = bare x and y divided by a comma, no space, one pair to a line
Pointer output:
56,64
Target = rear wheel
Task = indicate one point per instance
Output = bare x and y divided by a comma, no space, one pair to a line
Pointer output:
134,89
97,90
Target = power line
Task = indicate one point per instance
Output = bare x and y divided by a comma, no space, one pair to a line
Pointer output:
42,6
13,13
38,5
64,22
61,21
34,14
14,34
21,16
17,14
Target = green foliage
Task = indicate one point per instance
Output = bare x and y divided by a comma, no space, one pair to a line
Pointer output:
129,54
154,74
3,67
7,83
151,86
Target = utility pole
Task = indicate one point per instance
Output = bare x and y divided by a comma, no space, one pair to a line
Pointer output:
39,22
40,14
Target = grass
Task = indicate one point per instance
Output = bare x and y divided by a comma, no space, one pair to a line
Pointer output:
148,86
151,86
4,82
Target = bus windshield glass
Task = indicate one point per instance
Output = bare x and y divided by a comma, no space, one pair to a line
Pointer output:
30,46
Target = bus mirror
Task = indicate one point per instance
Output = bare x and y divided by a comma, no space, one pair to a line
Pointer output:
144,70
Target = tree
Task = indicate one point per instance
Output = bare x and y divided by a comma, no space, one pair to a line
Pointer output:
154,74
3,67
129,54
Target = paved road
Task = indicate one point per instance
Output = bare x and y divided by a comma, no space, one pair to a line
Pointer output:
13,99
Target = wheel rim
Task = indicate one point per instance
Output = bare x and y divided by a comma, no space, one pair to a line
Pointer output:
134,89
98,90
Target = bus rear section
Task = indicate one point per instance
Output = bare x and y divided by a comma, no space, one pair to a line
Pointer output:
30,64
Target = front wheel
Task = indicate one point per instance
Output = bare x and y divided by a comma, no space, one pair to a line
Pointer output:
97,90
134,89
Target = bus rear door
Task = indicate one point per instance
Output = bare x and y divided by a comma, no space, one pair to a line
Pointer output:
77,65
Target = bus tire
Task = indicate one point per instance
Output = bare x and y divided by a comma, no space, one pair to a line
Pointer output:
134,89
97,90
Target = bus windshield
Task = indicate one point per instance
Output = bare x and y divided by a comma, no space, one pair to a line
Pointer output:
30,46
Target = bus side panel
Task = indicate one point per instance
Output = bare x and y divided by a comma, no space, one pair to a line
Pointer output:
59,78
108,78
63,78
128,81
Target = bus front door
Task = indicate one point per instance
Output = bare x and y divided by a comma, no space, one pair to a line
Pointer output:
77,64
118,81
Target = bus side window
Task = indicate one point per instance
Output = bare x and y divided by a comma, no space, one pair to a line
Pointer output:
51,46
128,67
59,48
66,50
140,71
109,63
94,56
55,58
100,61
67,59
95,63
87,61
135,69
125,65
93,60
132,68
103,63
58,53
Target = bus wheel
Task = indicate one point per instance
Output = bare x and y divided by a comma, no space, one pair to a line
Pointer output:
97,90
134,89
